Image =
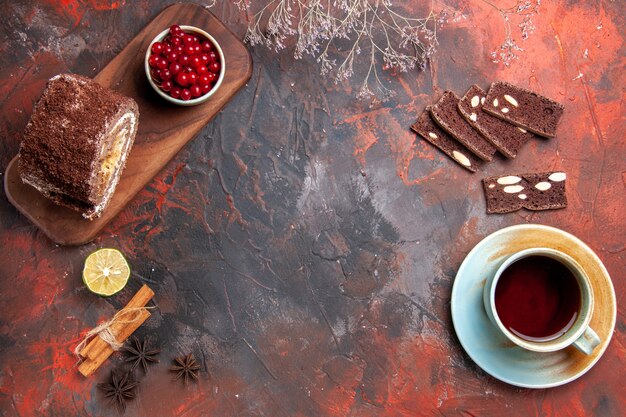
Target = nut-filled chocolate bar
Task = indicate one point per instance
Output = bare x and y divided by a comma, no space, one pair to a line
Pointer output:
523,108
428,129
508,138
535,191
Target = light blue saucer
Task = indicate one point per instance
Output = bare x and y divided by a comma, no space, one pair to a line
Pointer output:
490,349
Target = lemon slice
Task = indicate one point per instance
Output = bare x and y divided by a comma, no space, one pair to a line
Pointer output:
106,272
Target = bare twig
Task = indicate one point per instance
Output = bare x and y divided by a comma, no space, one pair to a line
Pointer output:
377,36
524,9
389,40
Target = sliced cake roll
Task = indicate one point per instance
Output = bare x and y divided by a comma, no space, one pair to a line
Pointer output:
76,143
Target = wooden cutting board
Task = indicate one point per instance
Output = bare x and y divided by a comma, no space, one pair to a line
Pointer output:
163,128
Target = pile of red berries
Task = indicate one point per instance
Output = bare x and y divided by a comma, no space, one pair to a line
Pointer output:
184,65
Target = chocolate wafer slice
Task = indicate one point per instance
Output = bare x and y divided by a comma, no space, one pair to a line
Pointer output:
507,138
428,129
446,114
535,191
523,108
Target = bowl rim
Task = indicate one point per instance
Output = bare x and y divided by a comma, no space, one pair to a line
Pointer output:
197,100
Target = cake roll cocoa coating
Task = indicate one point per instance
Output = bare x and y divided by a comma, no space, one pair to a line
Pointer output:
65,135
507,138
446,113
431,132
523,108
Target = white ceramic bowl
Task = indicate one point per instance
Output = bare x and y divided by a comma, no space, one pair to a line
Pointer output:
193,101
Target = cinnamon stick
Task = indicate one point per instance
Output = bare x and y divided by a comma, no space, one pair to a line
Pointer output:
97,350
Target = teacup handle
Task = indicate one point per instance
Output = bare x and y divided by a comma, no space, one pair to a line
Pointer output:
587,342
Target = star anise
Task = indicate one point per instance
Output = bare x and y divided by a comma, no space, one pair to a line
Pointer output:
186,367
140,353
120,388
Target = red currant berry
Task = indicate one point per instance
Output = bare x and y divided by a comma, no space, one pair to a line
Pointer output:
175,68
213,56
165,74
214,67
155,74
188,39
207,47
197,48
195,61
175,30
201,69
204,79
190,50
184,60
206,88
211,76
157,48
176,40
162,63
175,92
172,56
179,49
166,85
185,94
167,49
153,60
204,58
196,91
182,79
192,77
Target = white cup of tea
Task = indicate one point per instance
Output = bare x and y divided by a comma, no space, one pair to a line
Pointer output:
542,300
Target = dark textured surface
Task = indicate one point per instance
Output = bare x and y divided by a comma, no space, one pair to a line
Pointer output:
304,245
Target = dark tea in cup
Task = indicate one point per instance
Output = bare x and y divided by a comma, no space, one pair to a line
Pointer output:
537,298
541,300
